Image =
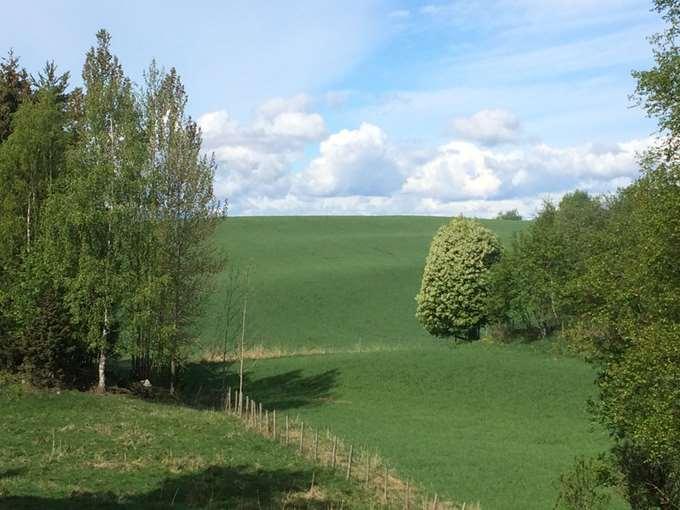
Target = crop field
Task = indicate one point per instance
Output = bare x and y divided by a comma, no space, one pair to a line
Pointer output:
475,422
329,283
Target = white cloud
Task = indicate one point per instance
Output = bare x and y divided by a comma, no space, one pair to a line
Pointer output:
459,171
358,161
362,171
489,126
256,159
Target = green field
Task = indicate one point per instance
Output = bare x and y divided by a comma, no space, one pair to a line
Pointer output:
79,450
478,422
330,282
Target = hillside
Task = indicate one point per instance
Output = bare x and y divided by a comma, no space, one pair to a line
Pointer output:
477,422
339,283
77,450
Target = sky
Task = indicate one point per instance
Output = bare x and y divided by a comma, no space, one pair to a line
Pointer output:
376,107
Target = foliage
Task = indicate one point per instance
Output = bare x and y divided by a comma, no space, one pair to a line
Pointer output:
120,452
451,301
535,289
585,486
106,214
15,88
510,214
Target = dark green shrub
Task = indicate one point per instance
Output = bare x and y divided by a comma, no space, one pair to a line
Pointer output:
452,297
585,486
47,349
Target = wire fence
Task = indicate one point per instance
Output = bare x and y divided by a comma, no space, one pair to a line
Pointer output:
321,446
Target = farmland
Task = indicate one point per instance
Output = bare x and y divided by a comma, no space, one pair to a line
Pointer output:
474,422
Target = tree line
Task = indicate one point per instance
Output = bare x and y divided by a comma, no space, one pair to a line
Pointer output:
601,273
106,218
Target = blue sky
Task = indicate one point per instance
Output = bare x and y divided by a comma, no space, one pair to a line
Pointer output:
376,107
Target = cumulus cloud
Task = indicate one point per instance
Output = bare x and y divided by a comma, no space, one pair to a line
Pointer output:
489,127
458,171
352,162
255,159
362,171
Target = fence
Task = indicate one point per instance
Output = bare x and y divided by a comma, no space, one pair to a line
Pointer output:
328,450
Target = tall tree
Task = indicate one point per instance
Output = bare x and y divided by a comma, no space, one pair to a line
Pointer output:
31,163
15,88
184,212
97,207
633,285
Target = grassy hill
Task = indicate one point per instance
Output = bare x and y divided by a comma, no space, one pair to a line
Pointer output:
473,422
478,422
79,450
336,283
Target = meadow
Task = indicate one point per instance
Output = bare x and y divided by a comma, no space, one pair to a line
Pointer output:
334,341
329,283
474,422
78,450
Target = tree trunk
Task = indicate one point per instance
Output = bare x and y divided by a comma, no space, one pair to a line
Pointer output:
173,369
243,339
101,386
28,223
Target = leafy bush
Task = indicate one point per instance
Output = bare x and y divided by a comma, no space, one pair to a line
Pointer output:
452,297
584,487
536,287
512,214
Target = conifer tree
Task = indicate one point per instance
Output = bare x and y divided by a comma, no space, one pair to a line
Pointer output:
15,88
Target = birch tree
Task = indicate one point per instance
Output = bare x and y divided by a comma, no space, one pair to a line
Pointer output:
185,214
98,203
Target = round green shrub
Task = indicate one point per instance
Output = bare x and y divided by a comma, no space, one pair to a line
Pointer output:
452,297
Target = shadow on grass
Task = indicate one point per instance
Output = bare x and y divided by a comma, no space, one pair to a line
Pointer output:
205,386
9,473
216,487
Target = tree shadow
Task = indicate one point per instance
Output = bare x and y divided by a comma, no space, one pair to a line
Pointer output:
239,487
206,383
9,473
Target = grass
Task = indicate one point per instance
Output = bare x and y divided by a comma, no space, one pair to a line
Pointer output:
329,282
79,450
477,422
474,422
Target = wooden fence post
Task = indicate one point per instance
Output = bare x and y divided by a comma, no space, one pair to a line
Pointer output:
302,438
385,487
260,418
316,445
368,468
274,423
266,423
227,406
349,463
335,444
247,409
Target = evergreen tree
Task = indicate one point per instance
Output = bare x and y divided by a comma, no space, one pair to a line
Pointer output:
15,88
31,163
